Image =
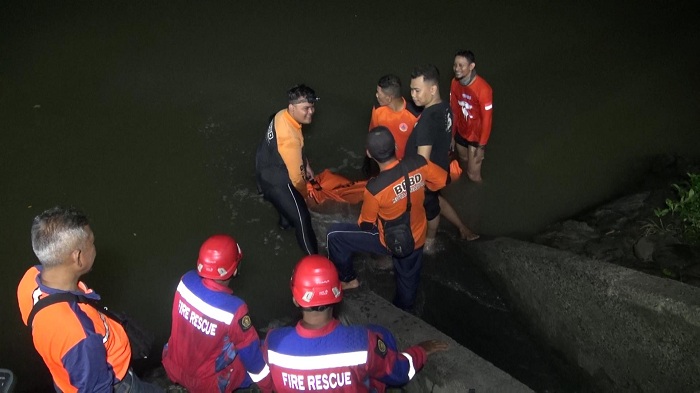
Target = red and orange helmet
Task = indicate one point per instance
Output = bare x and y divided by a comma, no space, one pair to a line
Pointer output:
219,257
315,282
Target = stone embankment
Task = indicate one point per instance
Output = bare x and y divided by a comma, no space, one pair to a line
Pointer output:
614,292
455,370
630,331
627,231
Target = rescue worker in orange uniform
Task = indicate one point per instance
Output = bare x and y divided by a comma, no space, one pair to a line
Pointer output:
384,200
85,350
213,345
321,354
282,170
394,113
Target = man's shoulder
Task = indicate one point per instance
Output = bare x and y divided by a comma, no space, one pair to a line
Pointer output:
481,85
279,115
283,122
279,333
457,86
383,180
434,114
29,277
389,176
414,161
48,338
192,284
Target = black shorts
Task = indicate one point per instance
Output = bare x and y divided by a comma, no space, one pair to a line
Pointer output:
431,204
463,142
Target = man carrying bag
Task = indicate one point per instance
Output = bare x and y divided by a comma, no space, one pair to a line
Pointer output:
391,218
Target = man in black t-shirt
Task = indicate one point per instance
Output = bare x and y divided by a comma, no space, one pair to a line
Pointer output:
431,138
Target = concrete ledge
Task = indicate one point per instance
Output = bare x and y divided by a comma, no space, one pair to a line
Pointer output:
628,330
455,370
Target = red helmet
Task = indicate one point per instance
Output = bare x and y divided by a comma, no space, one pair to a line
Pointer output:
315,282
219,257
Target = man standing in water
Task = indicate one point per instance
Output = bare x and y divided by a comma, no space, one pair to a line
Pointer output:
281,169
394,113
431,138
471,100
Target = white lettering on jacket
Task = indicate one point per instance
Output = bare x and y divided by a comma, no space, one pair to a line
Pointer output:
317,381
400,189
201,324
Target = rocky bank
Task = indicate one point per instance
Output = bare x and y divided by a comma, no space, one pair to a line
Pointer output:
627,232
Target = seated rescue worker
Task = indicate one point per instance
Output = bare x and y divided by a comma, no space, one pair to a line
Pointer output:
213,346
85,350
321,354
385,200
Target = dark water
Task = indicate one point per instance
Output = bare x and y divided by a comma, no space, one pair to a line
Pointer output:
147,115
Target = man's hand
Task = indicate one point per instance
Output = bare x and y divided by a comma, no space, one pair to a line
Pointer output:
309,172
432,346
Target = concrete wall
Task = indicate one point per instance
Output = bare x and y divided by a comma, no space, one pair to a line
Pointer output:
454,370
630,331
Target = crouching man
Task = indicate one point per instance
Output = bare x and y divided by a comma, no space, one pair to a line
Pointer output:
213,346
321,354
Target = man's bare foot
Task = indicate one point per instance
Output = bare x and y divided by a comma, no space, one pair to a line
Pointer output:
349,285
467,234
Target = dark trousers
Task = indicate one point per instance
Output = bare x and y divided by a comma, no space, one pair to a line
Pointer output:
132,384
293,212
345,239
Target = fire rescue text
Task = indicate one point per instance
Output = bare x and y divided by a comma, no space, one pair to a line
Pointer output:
317,381
197,321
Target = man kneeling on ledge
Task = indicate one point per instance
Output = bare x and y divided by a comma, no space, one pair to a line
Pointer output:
386,199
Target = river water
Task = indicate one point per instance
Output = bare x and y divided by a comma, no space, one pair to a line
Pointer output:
146,115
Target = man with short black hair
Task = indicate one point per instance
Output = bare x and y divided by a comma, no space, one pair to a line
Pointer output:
471,99
385,199
431,137
84,349
394,112
282,170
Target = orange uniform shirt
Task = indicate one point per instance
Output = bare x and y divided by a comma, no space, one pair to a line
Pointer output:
472,108
389,202
400,123
290,143
83,349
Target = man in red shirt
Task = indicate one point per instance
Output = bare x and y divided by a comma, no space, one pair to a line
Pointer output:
471,100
